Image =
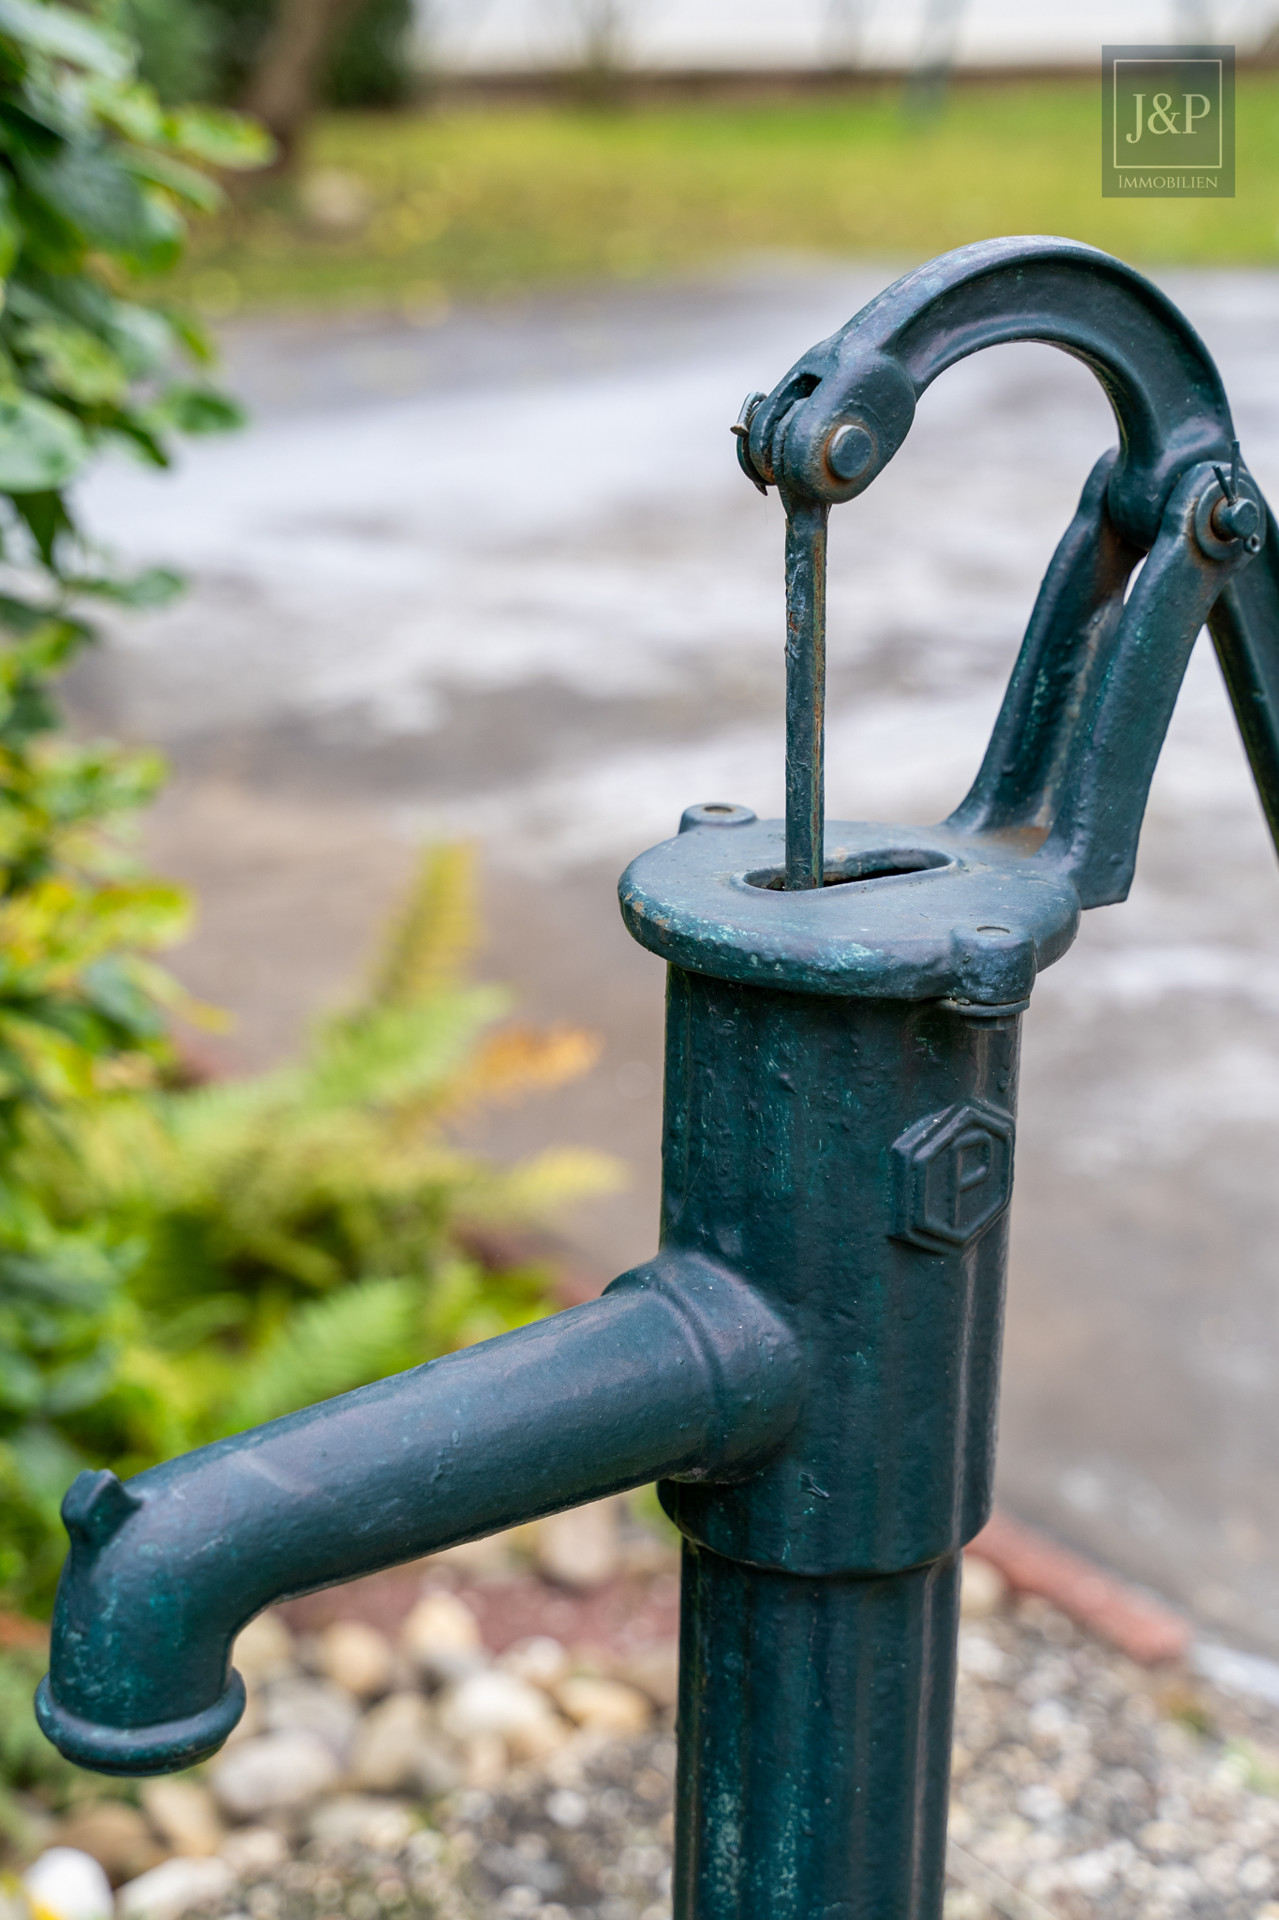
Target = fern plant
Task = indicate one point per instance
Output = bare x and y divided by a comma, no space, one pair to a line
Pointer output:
288,1236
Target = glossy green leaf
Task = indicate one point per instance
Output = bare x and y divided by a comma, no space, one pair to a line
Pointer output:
132,110
196,188
21,1383
196,410
155,587
10,230
111,989
221,139
78,1384
195,338
76,364
44,514
34,121
101,202
144,339
65,35
40,446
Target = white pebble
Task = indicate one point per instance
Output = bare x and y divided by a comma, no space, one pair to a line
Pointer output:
566,1808
581,1548
357,1657
253,1852
65,1884
494,1703
1256,1874
173,1888
441,1637
183,1813
357,1819
983,1588
604,1706
540,1660
1040,1803
274,1773
263,1650
312,1706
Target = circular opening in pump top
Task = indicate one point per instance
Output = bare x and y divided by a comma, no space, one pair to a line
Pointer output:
854,868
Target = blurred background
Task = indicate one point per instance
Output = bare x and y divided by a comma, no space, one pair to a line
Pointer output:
481,576
483,566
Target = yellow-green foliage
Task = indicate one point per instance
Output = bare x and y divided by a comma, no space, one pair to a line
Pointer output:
177,1263
96,179
488,199
266,1242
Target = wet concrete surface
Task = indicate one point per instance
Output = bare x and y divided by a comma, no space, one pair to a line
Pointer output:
496,574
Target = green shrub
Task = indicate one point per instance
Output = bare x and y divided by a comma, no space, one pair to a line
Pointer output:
177,43
371,66
191,1260
33,1775
177,1262
95,181
282,1238
237,30
207,49
174,1262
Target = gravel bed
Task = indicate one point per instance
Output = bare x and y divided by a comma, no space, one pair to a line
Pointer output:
1085,1789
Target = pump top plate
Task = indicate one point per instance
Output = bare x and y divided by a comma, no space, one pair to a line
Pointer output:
906,913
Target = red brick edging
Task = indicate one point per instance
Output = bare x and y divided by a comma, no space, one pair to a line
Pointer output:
1134,1622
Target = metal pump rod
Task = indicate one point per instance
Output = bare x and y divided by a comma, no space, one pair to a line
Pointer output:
805,693
812,1363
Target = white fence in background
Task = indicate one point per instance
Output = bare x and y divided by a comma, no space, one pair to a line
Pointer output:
495,35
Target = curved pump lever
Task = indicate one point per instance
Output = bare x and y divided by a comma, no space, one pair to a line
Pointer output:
1073,751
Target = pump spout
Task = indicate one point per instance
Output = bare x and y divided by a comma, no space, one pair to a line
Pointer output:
678,1371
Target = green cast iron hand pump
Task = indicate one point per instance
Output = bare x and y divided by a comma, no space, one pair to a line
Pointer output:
810,1364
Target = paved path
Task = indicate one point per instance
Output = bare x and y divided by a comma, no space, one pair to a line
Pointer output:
500,576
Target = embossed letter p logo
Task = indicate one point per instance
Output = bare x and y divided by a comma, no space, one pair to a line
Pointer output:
954,1176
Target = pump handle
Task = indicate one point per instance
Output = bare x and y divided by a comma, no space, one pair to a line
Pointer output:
1073,751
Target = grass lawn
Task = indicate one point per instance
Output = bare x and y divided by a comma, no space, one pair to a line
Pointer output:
406,210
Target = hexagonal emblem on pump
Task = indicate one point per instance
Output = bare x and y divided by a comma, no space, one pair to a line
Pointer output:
954,1175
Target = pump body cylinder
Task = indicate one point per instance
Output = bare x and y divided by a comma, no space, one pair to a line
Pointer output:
852,1157
815,1728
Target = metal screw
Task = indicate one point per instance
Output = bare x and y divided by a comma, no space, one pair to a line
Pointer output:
849,451
1237,519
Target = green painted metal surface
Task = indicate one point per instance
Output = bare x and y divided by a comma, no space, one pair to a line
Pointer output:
811,1364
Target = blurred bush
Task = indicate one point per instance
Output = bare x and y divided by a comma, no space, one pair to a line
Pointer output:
209,49
371,65
175,1262
95,181
179,1262
177,42
223,1254
33,1774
